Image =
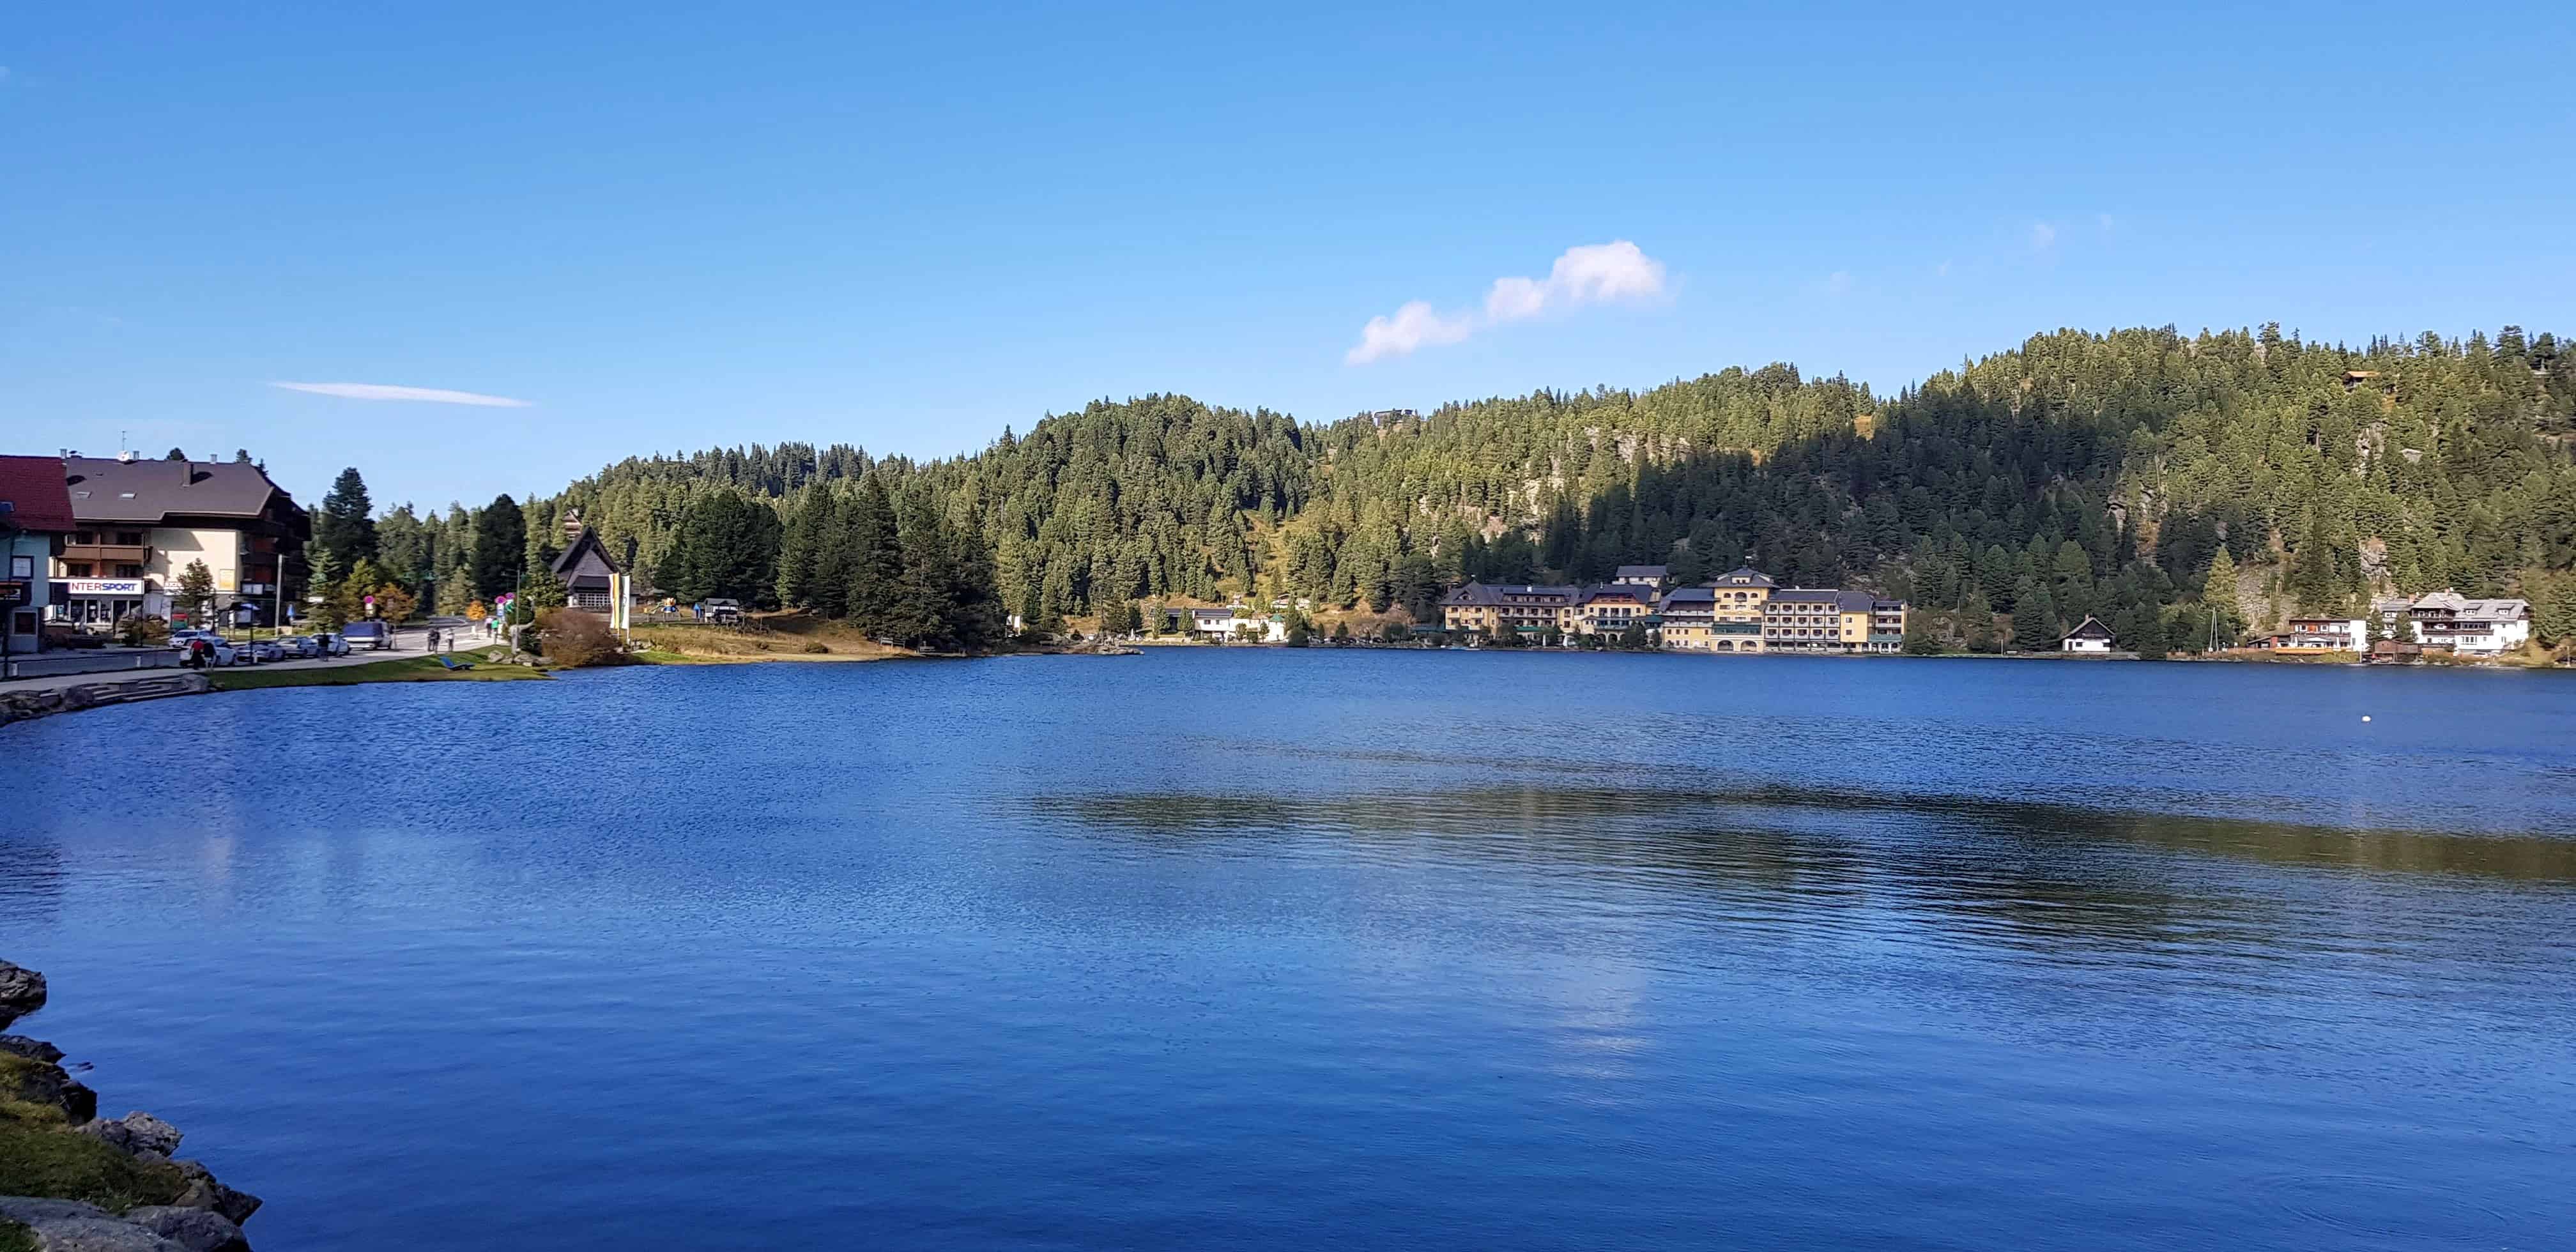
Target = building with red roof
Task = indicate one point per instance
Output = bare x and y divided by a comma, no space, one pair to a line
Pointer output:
35,515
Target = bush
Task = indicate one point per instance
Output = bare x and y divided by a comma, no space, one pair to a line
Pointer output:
572,638
816,649
136,630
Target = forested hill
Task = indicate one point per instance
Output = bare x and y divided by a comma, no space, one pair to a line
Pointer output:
2079,473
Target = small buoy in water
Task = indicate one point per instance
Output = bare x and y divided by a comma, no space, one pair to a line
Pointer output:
2365,717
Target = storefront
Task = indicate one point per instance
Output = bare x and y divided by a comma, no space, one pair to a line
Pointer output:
99,602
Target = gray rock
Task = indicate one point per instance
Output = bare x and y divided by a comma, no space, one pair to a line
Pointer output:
205,1193
27,1210
82,1234
71,1226
22,991
197,1230
135,1133
32,1049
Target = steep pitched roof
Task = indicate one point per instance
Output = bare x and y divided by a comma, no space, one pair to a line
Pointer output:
1641,573
31,488
108,490
587,540
1745,576
2090,628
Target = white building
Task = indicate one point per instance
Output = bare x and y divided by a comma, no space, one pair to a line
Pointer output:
2455,623
2333,634
2090,636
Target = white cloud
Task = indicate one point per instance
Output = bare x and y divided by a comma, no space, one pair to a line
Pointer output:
1412,327
2043,236
381,391
1598,273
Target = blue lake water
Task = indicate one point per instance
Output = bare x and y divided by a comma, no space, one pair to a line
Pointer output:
1230,948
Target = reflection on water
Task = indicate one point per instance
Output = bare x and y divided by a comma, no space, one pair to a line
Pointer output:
1576,819
1276,950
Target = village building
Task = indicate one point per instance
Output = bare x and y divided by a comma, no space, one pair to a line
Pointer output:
35,520
2446,621
2327,634
1802,619
1532,610
1611,608
1740,594
590,576
142,523
2089,635
1650,576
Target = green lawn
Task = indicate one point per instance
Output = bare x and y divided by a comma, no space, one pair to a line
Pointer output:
409,669
40,1157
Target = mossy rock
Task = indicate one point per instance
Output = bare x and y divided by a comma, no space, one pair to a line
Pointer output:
39,1156
16,1238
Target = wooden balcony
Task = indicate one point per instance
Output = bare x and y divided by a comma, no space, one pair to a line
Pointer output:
108,553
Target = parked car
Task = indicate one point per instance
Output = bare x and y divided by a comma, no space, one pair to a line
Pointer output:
299,647
372,636
215,648
331,645
263,651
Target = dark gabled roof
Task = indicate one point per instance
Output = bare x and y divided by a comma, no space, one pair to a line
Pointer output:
104,489
32,488
1607,591
1745,576
1707,595
2090,628
587,540
1481,595
1641,573
1855,601
1806,595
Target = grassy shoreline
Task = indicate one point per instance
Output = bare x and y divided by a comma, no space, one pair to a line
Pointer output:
393,670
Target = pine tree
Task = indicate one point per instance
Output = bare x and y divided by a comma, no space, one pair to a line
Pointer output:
344,528
2034,618
876,558
500,536
2218,585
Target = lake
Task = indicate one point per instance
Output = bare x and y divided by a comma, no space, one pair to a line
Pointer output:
1278,949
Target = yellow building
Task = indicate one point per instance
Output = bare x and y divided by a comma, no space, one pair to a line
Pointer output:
1484,609
1738,596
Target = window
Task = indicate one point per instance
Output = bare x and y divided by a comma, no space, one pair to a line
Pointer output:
130,538
129,571
84,536
22,567
76,569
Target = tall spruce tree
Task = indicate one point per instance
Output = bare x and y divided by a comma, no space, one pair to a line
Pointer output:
500,538
344,528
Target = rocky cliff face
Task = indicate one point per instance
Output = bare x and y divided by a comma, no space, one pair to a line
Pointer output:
72,1182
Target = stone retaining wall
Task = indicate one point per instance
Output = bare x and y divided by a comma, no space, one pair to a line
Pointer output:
20,706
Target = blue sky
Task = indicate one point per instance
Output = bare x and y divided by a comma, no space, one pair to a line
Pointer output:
908,228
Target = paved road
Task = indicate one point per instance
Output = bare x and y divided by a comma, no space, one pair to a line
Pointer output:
407,641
